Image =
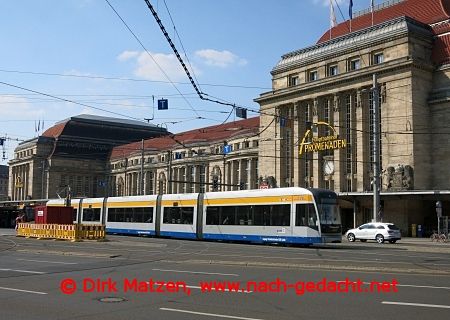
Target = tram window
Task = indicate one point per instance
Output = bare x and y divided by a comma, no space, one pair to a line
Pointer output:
139,214
243,215
306,216
115,215
261,215
212,215
178,215
147,215
280,215
227,216
265,215
91,214
272,215
74,214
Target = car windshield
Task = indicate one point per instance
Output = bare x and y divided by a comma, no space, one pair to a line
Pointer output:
329,214
393,227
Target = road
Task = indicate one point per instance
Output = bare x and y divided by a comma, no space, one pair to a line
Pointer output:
137,278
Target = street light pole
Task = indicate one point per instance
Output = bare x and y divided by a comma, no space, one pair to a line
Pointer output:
141,182
42,180
376,149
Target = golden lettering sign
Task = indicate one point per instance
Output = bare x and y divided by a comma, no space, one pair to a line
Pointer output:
315,144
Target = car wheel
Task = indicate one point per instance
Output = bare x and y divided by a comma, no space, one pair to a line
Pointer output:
351,237
363,240
379,238
392,241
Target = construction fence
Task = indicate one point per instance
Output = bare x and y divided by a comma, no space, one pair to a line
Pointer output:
74,232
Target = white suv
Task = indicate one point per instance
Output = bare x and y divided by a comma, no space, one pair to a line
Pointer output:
375,231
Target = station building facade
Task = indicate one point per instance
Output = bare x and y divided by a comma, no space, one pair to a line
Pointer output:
324,90
215,158
73,153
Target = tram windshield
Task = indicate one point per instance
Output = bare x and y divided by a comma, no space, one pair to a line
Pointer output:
329,214
330,217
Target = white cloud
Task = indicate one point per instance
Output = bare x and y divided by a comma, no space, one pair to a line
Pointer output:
221,59
149,67
126,55
13,107
92,112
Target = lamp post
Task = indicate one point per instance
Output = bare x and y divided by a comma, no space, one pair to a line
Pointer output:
439,214
376,150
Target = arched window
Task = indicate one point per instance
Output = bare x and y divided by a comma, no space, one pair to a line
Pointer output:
149,182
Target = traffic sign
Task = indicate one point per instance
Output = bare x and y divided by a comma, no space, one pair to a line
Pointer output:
227,149
163,104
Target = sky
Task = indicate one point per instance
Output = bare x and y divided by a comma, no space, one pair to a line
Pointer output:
55,53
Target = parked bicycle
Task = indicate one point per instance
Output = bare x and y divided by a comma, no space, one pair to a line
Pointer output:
438,237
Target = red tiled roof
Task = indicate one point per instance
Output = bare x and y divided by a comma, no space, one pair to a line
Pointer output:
208,134
424,11
441,49
55,131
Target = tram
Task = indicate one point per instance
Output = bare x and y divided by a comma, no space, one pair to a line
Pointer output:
281,215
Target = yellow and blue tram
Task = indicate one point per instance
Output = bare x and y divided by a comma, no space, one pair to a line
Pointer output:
281,215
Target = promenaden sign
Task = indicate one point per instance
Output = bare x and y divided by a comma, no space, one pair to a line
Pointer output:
316,144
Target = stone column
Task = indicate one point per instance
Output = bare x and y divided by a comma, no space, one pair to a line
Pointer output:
241,173
296,142
196,179
277,155
339,163
359,157
316,167
250,181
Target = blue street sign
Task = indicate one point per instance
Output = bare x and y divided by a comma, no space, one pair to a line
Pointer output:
163,104
227,149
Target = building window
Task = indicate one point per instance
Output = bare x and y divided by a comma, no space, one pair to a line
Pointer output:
202,169
332,70
313,75
354,64
150,183
293,80
378,58
183,184
192,178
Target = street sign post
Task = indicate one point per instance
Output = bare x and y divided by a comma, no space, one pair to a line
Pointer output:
439,214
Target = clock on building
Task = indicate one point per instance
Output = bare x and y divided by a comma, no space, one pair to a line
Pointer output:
328,167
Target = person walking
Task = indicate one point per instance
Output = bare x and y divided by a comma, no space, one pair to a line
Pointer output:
19,219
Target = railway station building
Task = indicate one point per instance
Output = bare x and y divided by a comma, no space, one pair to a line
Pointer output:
216,158
317,123
73,153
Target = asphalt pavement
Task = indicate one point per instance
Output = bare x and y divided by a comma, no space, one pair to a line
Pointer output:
151,278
